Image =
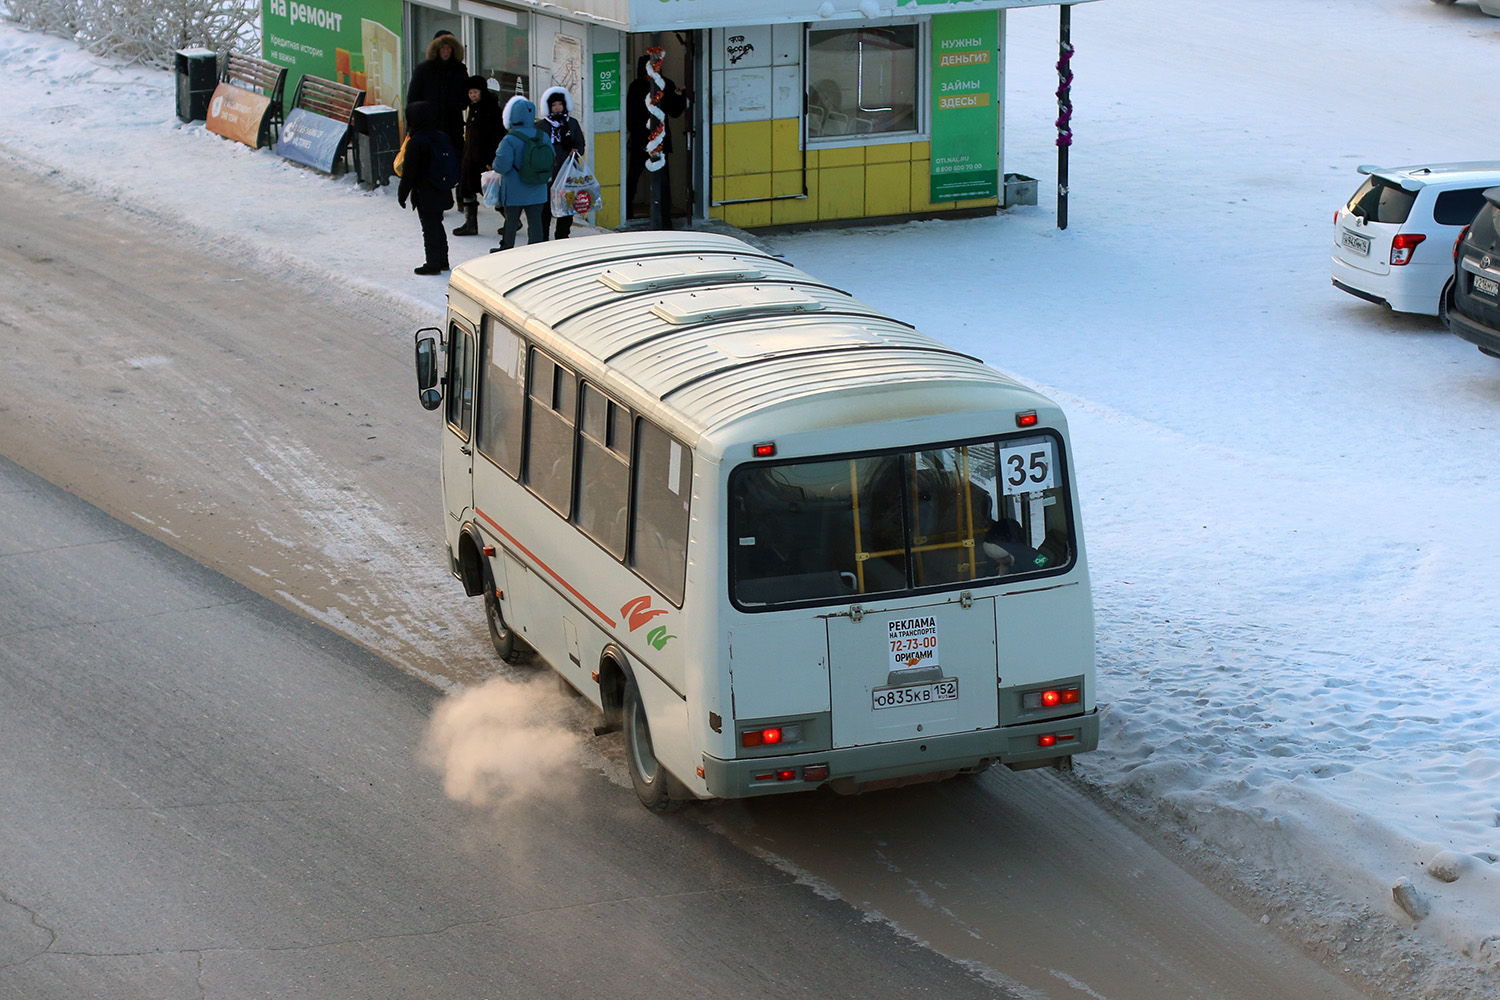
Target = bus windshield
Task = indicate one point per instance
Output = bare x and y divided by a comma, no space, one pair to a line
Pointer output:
826,529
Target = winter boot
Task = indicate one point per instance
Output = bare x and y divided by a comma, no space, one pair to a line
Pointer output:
471,220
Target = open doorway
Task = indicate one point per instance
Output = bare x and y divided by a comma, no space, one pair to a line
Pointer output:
681,174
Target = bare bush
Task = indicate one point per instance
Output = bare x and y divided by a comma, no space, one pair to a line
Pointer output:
146,33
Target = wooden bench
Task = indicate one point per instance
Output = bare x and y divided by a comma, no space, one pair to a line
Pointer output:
254,73
331,100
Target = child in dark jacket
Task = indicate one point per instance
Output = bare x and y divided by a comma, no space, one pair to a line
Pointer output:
428,172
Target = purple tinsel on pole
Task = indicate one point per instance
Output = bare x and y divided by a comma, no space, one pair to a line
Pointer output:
1064,102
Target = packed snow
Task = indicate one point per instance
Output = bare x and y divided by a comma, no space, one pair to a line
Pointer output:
1290,495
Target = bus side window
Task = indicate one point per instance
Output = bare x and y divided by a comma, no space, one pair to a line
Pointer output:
604,470
663,479
551,399
501,397
460,380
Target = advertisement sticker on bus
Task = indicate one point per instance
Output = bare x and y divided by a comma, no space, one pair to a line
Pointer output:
914,643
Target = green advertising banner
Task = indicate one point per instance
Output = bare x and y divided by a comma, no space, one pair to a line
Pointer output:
356,42
607,83
965,106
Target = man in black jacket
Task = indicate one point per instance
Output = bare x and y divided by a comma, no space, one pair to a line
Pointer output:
443,82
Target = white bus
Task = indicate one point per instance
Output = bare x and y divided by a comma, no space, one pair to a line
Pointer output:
780,539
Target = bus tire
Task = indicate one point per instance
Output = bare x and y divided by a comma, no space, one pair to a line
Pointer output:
653,786
506,644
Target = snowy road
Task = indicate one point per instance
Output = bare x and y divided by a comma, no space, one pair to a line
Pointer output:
271,432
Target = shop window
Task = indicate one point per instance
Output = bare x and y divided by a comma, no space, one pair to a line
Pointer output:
502,54
863,81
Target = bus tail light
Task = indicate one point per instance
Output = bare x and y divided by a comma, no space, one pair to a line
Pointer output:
770,736
815,772
1402,247
1051,697
1026,418
766,449
1053,739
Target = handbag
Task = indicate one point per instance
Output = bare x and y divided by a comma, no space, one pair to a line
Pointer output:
400,160
575,190
489,183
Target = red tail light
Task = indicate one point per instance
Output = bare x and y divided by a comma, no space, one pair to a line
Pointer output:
1402,247
1462,235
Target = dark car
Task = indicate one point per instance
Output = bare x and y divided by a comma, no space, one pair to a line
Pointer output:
1473,299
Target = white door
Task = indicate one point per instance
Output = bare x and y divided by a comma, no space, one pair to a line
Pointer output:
923,670
457,454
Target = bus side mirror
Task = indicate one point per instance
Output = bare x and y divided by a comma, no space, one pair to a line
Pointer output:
427,368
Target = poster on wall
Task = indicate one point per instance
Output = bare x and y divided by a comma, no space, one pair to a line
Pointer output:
355,42
965,106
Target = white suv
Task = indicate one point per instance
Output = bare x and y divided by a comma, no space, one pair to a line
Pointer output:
1393,241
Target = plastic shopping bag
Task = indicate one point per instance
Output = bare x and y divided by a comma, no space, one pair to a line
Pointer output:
489,184
575,191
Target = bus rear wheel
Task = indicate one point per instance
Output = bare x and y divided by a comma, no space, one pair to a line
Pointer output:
653,786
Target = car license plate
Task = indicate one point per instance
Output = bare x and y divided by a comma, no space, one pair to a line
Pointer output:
1486,285
916,694
1355,242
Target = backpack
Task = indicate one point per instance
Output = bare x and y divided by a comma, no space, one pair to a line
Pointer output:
536,159
442,171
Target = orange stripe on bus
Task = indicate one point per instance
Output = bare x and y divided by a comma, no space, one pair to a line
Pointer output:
550,571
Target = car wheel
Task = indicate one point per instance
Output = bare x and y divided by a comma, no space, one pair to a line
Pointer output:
1443,2
1445,301
653,786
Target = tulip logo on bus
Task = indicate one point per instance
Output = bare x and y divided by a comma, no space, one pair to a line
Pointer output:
638,611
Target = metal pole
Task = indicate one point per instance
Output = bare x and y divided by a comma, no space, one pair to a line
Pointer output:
1064,109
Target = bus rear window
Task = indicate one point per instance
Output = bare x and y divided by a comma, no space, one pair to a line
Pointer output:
830,529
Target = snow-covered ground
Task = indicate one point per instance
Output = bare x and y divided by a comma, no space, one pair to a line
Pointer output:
1290,496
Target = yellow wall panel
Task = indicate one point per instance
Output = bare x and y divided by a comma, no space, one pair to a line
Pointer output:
606,151
716,151
754,215
786,144
896,152
747,148
844,156
747,186
887,189
785,182
921,151
841,192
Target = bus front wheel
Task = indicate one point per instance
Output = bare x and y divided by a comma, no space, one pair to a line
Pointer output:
653,786
505,642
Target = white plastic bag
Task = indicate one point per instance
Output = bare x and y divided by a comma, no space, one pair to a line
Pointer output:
575,191
489,183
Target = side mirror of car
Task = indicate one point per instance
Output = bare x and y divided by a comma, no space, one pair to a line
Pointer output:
428,390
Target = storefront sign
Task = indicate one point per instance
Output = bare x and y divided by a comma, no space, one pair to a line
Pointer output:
238,114
312,139
965,107
664,15
607,82
355,42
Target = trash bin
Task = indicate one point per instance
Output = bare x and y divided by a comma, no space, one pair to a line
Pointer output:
197,76
377,137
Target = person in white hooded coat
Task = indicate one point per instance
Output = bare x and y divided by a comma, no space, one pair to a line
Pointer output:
567,139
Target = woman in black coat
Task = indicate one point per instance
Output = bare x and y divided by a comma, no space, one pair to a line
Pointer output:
483,130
